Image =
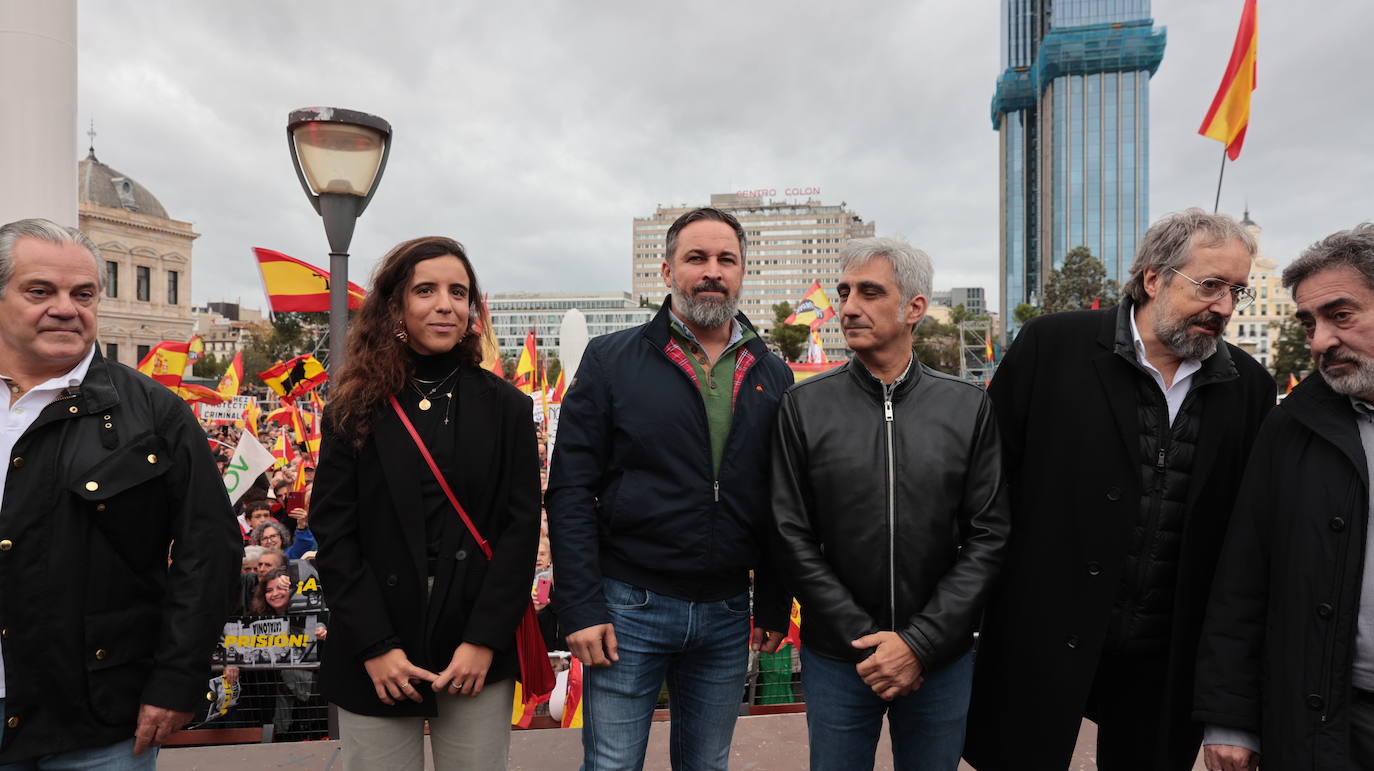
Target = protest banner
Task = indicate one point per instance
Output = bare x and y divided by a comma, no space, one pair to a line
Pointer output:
227,412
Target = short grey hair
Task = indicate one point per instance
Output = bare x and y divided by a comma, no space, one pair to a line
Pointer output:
912,267
1168,246
253,552
1353,248
43,230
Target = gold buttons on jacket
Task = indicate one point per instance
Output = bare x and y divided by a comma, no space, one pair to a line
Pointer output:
18,462
6,545
100,654
209,695
152,458
92,486
73,410
13,721
5,633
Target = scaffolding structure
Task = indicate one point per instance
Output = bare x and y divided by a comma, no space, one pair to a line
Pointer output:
977,361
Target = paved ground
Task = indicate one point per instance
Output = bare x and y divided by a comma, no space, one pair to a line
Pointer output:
762,743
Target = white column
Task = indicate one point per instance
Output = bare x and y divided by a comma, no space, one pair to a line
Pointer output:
38,94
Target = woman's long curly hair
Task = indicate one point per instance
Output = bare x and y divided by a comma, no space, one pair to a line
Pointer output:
379,364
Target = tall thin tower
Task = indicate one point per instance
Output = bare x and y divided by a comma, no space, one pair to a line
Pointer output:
1071,109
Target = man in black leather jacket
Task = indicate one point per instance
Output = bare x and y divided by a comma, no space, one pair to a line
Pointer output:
891,518
106,646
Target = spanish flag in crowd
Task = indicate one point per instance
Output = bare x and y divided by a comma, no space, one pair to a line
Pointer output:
251,416
165,363
815,350
794,626
556,393
293,285
294,378
193,394
283,451
232,380
1292,383
526,367
1229,114
814,308
572,705
195,348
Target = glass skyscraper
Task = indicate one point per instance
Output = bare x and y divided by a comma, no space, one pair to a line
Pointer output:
1071,109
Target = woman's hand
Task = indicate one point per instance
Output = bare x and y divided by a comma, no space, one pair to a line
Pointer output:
467,672
392,674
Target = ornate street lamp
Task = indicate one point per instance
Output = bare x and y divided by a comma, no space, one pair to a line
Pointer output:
339,157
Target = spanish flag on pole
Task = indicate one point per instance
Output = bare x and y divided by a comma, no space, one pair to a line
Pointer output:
233,377
293,285
294,378
1229,114
814,308
526,367
165,363
556,393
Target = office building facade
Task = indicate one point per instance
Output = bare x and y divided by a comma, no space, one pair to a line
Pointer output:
1071,109
514,314
1255,329
791,243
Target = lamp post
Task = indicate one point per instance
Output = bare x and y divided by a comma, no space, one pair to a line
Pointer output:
339,157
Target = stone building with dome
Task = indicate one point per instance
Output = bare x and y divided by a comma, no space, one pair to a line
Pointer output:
1255,329
146,258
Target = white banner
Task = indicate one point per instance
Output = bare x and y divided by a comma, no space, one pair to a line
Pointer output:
250,459
230,410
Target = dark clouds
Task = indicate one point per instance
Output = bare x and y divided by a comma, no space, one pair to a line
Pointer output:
535,132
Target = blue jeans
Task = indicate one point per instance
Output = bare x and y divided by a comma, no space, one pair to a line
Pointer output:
700,648
844,717
112,757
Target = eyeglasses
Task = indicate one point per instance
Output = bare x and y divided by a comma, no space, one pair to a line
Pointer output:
1212,289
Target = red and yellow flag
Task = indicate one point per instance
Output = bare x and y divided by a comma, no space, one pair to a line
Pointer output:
556,393
987,346
165,363
572,705
195,348
251,416
814,308
197,393
1229,114
526,372
1292,383
232,380
293,285
294,378
794,626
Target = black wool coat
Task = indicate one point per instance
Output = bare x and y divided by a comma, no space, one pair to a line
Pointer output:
1277,648
1067,407
367,514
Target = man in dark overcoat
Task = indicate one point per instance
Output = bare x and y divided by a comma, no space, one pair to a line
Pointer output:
1125,433
1286,663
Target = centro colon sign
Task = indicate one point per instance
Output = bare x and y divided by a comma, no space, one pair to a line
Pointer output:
770,192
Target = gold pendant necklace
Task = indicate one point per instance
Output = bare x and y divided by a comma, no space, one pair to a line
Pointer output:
425,403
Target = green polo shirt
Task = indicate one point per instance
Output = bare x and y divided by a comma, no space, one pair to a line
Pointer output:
716,381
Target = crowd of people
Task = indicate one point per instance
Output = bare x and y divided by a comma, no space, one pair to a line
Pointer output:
1135,531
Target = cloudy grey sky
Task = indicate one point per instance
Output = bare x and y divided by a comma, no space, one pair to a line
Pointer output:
535,131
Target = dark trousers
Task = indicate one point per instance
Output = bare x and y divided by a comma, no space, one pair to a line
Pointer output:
1362,729
1127,704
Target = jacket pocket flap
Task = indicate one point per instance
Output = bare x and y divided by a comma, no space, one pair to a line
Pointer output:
124,636
141,460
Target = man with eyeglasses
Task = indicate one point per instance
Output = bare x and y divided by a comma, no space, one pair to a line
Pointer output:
1125,434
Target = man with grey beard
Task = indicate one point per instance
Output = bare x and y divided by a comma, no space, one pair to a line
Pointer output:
659,509
1125,433
1286,663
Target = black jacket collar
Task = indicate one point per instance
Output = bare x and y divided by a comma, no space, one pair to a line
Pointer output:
1329,415
867,381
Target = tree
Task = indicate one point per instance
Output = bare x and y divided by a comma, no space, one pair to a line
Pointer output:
208,366
287,336
1025,312
1291,355
937,345
791,339
1078,284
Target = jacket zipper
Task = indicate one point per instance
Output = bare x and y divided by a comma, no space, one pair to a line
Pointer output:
891,508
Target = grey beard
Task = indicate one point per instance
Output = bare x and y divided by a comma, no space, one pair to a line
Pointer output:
1188,345
1358,383
704,313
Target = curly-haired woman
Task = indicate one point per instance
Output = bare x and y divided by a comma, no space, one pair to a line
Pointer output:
422,624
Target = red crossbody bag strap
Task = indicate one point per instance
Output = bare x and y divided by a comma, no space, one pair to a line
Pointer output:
434,468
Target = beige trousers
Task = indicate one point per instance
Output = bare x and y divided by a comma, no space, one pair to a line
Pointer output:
469,733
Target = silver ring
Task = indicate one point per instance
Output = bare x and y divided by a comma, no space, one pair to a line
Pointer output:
405,686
